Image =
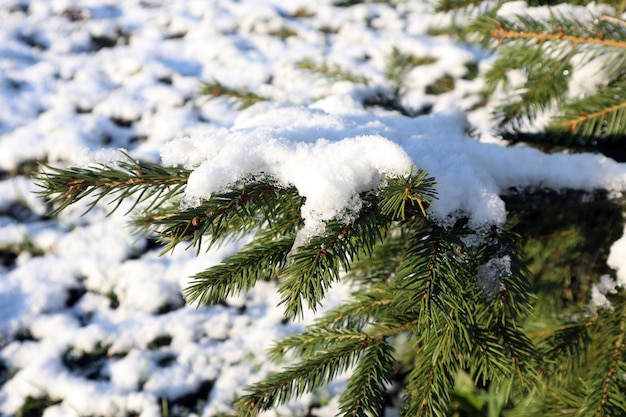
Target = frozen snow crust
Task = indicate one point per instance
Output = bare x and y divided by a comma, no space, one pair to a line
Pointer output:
91,318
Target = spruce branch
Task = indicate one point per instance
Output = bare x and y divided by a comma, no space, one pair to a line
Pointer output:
502,34
399,65
546,84
513,302
564,31
565,351
446,6
311,373
357,313
320,337
596,116
523,355
415,281
429,268
316,338
431,380
487,359
240,272
515,298
245,97
325,354
605,394
364,395
144,181
548,52
228,215
597,128
318,263
332,71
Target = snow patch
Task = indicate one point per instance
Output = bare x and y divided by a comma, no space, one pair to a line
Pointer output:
330,158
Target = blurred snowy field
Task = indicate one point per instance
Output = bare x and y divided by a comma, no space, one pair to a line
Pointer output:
92,321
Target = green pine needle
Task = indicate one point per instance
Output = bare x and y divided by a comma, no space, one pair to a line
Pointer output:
546,52
367,389
239,273
404,194
320,262
128,178
245,97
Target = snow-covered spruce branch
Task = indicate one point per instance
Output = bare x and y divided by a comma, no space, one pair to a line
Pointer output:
459,314
307,272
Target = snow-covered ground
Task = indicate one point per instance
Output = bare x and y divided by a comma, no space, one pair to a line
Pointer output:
92,321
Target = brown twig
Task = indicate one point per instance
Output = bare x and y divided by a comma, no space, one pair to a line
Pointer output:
502,34
573,124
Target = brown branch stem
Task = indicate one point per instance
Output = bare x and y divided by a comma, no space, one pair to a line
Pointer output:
573,124
502,34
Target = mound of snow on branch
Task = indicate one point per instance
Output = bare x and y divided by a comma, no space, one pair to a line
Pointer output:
334,149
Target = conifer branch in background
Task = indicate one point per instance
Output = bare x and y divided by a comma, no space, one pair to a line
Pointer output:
245,97
333,72
548,53
543,33
604,114
447,6
399,65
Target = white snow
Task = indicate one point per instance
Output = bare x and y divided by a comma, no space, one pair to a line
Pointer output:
490,276
607,285
80,80
330,157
